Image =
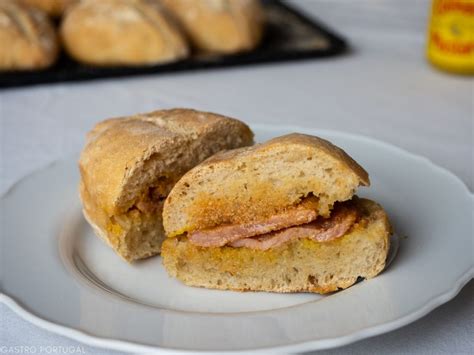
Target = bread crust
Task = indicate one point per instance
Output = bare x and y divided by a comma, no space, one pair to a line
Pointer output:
27,36
221,26
121,32
259,181
130,164
51,7
311,142
301,265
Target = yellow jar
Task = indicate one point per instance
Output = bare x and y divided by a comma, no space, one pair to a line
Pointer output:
451,36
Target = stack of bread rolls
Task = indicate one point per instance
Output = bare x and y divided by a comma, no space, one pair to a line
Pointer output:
124,32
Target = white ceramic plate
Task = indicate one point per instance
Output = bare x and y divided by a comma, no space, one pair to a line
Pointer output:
66,280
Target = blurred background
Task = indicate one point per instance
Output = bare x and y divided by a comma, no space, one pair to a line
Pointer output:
382,85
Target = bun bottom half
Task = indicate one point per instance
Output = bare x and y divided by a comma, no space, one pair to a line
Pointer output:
301,265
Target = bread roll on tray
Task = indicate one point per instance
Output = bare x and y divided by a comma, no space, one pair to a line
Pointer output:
28,39
121,33
220,26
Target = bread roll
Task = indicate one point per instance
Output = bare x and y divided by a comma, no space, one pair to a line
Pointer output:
279,216
27,38
221,26
121,32
51,7
130,164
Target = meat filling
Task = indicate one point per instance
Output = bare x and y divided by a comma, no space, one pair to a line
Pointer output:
152,201
280,229
223,235
321,230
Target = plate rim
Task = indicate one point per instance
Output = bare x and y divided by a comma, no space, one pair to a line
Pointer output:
128,346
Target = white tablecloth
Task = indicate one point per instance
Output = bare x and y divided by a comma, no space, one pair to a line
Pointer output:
383,88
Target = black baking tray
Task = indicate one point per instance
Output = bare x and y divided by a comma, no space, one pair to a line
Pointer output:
290,35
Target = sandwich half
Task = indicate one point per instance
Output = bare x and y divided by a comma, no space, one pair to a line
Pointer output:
280,216
129,165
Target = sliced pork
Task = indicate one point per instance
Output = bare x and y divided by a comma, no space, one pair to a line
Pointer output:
297,223
220,236
321,230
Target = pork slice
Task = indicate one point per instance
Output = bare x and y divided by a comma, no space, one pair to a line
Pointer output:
321,230
220,236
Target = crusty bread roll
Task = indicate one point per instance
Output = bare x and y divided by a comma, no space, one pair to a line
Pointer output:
130,164
51,7
121,32
301,265
221,26
27,38
279,216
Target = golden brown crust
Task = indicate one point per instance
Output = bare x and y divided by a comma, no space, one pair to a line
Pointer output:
326,146
259,181
298,266
121,32
27,36
129,165
311,142
223,26
51,7
116,149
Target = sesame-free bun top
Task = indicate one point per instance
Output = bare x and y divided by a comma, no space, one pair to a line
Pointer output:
121,32
250,184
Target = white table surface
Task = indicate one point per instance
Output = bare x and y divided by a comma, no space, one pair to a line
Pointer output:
383,89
